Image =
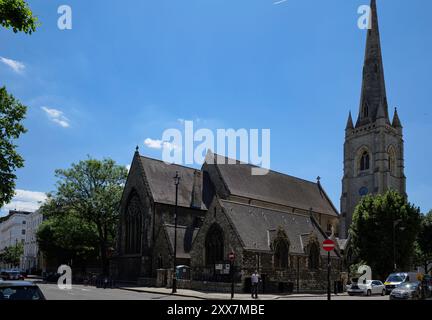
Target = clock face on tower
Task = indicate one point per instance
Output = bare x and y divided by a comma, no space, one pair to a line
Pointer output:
363,191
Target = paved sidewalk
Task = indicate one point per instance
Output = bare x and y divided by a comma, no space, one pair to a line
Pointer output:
218,296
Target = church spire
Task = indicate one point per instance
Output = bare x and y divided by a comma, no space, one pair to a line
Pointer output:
373,95
396,121
350,124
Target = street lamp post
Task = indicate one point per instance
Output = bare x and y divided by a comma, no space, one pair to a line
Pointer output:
174,284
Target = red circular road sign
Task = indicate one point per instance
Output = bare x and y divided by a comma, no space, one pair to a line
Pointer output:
231,256
328,245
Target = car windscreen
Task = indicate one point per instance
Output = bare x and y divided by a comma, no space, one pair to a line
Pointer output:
395,279
20,293
409,285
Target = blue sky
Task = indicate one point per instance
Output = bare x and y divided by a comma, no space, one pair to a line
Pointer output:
130,69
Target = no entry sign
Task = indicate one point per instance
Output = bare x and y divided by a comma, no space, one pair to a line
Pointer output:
328,245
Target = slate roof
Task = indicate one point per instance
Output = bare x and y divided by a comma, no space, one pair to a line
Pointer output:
273,187
256,226
160,178
185,237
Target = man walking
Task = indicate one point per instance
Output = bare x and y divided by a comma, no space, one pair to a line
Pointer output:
254,282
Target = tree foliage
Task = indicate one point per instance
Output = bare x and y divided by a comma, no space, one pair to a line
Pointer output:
17,15
89,191
67,238
372,232
12,112
424,242
12,254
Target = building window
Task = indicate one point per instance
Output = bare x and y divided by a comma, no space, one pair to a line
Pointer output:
133,226
214,245
392,161
24,222
365,161
23,232
314,253
281,254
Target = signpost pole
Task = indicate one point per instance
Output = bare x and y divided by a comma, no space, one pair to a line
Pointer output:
328,276
328,245
231,258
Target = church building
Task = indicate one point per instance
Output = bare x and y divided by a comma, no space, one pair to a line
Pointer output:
273,223
374,146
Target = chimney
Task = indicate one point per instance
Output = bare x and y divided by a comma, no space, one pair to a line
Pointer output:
197,190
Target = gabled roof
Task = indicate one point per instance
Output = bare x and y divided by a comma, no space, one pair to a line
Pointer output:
256,226
185,237
274,187
160,179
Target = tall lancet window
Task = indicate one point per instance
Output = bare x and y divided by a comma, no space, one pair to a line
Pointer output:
365,161
392,161
133,225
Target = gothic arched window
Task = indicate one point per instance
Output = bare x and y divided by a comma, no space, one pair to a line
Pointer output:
281,254
133,225
314,254
214,245
392,161
364,161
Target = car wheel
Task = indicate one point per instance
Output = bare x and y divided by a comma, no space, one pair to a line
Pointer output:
369,293
383,293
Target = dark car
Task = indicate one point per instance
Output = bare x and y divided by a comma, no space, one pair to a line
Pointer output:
407,291
20,290
12,275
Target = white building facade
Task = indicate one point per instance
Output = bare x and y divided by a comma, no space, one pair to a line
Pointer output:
13,229
32,259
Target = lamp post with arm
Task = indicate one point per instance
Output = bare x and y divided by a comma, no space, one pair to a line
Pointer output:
174,284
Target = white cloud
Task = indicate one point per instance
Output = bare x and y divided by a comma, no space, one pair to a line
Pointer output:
25,200
56,116
16,66
159,144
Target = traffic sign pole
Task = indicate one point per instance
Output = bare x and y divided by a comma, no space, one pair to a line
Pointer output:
231,258
328,276
328,245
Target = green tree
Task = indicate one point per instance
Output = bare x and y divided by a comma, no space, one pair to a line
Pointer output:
91,190
17,15
424,243
372,232
67,238
12,255
12,112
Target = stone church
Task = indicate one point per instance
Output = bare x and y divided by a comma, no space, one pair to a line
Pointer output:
274,223
374,146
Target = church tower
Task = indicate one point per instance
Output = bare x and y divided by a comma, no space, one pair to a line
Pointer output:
374,146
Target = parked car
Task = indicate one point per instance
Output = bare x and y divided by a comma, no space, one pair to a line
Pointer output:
20,290
12,275
407,291
396,279
368,288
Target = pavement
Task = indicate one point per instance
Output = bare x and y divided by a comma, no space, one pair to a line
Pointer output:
80,292
185,293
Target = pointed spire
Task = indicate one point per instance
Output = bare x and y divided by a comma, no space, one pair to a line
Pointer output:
137,149
396,121
350,124
373,95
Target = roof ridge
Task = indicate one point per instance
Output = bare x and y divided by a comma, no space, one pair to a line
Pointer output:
169,164
260,207
253,165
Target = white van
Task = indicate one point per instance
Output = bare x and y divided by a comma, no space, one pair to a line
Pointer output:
395,279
